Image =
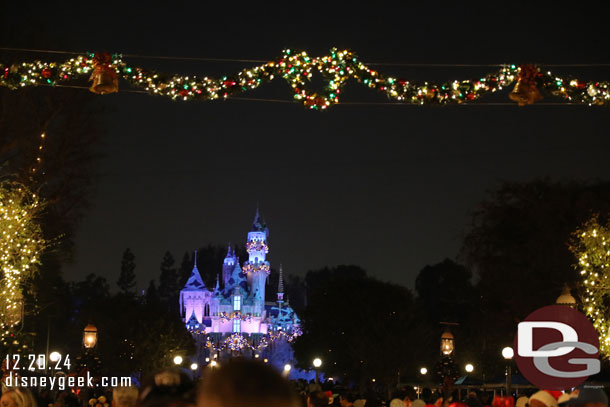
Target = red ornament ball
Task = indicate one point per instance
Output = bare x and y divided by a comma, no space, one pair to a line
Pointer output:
183,92
46,73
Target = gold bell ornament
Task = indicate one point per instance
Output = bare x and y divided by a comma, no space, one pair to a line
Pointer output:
104,75
525,91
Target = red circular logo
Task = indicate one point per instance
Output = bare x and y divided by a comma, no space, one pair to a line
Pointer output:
557,348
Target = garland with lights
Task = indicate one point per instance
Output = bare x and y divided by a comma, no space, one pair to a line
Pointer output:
21,243
257,245
297,68
237,342
235,315
591,245
254,268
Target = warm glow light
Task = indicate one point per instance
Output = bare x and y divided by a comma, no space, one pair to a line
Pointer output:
265,360
508,353
207,360
317,362
469,368
90,336
423,370
213,363
177,360
194,366
54,356
287,367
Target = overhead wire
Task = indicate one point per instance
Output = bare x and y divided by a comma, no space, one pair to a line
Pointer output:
249,60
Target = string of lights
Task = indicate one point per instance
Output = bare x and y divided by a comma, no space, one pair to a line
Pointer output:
592,248
21,243
297,68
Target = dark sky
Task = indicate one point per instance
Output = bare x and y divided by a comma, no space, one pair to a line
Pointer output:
390,188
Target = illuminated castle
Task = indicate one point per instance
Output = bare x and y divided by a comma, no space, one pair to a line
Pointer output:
235,319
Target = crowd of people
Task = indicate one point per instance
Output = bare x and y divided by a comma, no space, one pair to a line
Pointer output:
247,383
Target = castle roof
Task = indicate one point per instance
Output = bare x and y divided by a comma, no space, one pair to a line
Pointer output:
237,279
195,282
259,224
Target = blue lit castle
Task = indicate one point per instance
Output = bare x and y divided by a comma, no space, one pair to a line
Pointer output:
235,319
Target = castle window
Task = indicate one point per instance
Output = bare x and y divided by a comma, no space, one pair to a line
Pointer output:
206,310
236,325
237,303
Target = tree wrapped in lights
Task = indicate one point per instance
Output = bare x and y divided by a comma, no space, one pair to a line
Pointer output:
591,245
21,243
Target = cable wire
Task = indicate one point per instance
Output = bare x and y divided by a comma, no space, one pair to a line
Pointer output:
241,60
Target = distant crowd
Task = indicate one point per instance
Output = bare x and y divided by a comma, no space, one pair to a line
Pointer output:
247,383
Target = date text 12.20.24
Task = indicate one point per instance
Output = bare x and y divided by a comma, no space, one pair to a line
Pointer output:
34,362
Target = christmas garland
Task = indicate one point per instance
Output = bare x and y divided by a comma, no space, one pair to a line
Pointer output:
257,245
235,315
254,268
297,68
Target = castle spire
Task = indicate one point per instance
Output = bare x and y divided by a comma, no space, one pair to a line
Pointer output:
195,281
258,225
280,286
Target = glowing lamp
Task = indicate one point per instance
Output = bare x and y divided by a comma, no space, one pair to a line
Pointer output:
508,353
317,362
90,336
447,343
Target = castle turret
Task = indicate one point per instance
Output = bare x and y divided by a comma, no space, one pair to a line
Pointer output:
280,287
257,268
195,297
228,265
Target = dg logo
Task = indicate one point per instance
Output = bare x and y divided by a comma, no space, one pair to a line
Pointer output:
557,348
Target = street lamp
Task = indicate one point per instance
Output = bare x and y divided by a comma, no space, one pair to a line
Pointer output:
287,369
194,366
507,354
90,336
177,360
469,368
213,363
423,371
317,362
54,356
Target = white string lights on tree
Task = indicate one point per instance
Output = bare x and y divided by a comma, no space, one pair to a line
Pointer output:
591,245
21,243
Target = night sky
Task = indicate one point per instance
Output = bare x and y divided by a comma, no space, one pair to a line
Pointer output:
390,188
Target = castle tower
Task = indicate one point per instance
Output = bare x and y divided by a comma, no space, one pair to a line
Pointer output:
280,288
257,267
195,297
228,265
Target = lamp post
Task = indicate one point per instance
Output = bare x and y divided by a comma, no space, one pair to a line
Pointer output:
469,368
317,362
507,354
446,366
177,360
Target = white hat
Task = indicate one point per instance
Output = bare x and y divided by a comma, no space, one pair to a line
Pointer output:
543,397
